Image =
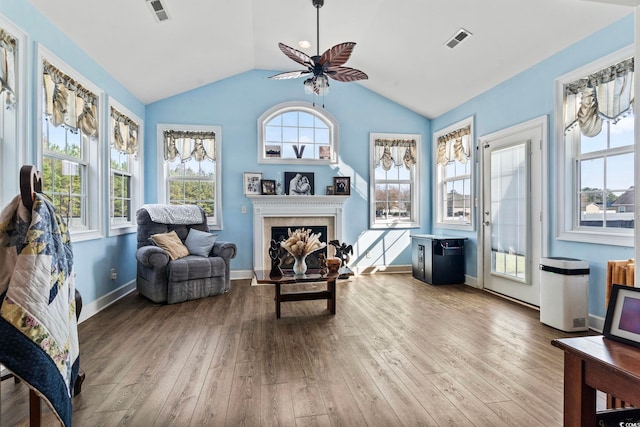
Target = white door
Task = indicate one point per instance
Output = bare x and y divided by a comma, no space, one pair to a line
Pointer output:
512,211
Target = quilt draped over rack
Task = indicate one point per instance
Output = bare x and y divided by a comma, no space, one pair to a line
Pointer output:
38,327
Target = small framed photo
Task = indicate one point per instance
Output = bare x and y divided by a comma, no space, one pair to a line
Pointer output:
342,185
273,151
623,315
324,152
268,186
329,190
299,183
252,182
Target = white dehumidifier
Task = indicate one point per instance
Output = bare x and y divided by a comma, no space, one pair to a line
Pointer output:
564,293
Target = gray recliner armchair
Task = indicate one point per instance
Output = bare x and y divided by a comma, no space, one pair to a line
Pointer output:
165,280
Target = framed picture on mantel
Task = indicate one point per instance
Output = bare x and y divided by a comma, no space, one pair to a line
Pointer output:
299,183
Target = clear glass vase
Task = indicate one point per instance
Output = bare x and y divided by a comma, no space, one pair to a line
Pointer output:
299,265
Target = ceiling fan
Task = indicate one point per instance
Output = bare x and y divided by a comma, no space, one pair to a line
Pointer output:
319,67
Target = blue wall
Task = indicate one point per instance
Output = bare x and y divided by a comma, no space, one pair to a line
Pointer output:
531,94
92,259
236,103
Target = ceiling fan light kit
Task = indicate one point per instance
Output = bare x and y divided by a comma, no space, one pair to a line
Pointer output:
321,67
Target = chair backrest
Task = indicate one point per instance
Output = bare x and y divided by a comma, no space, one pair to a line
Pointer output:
148,227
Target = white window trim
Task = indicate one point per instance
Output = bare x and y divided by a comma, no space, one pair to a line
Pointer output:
437,176
15,152
137,172
298,106
415,196
566,172
163,168
95,176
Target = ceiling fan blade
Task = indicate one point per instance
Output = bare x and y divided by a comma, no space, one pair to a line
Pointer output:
290,75
346,74
338,54
299,57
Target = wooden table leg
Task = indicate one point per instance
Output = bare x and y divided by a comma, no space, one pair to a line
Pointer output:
277,287
579,398
331,302
35,414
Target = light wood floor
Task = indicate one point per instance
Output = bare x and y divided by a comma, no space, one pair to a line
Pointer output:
397,353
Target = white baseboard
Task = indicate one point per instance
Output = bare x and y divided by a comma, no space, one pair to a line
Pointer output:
105,301
471,281
241,274
596,323
387,269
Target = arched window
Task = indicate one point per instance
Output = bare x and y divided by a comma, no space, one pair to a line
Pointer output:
297,132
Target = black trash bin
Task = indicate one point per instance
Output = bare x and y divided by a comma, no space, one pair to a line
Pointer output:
438,260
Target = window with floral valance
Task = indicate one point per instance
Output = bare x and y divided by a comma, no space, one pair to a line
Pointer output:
604,95
8,47
394,152
394,192
72,145
189,145
597,159
125,133
68,103
454,146
192,168
125,181
453,175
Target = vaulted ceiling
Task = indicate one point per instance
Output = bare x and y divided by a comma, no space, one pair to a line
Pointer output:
400,43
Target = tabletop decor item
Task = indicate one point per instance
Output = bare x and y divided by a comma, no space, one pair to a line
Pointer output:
301,243
274,254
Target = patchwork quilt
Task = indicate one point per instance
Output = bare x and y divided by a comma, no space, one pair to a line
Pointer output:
38,330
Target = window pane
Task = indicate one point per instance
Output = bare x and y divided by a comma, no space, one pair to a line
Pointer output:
596,143
290,119
306,120
592,174
290,134
273,134
620,172
322,136
622,132
306,135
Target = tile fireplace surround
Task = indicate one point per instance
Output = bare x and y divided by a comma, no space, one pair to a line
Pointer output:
283,211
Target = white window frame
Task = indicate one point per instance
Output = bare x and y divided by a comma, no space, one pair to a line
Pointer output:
214,223
440,182
95,187
13,151
286,107
136,170
415,187
566,170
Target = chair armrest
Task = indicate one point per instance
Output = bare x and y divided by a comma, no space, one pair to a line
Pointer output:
152,256
226,250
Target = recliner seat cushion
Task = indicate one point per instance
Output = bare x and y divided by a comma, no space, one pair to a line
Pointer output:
195,267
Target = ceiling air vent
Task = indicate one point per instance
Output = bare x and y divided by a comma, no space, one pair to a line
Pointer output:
158,10
457,38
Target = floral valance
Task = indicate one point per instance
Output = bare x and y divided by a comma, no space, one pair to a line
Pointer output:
455,145
189,144
125,133
394,152
8,67
68,103
604,95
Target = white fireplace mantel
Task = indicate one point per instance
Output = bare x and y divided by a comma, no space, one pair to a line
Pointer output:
295,207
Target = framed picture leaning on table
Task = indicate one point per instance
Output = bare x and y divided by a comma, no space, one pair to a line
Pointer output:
623,315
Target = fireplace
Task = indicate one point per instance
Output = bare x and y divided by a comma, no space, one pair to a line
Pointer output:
280,234
293,212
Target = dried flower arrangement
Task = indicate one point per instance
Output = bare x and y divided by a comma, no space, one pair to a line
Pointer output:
302,242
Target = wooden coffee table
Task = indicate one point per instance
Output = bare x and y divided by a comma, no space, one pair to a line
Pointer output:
262,276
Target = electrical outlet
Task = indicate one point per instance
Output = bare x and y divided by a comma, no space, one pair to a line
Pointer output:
113,274
244,209
367,254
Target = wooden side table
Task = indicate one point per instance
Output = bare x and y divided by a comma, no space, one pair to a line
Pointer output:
595,363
